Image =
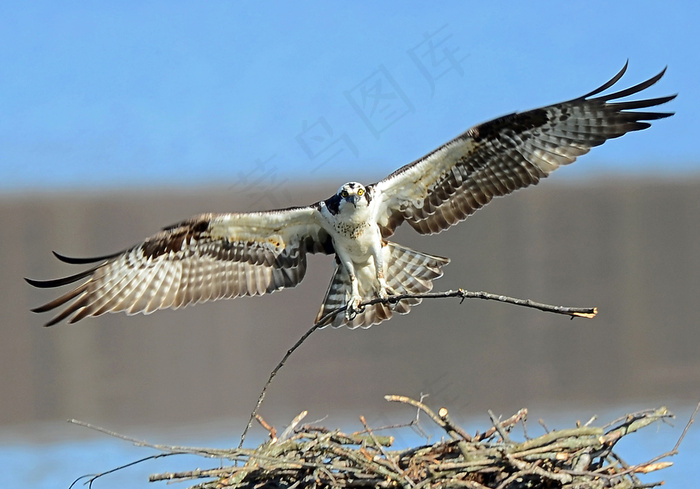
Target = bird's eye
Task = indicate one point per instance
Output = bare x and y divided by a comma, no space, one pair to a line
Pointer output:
344,193
360,192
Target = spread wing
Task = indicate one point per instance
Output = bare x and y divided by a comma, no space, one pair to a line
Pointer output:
208,257
508,153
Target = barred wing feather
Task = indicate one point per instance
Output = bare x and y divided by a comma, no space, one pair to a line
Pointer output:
508,153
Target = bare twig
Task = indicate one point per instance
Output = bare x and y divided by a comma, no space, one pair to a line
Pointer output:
289,430
388,458
584,312
431,414
497,425
508,423
204,452
93,477
190,474
685,430
270,429
281,363
451,426
654,463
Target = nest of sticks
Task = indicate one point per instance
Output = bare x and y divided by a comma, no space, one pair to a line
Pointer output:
312,456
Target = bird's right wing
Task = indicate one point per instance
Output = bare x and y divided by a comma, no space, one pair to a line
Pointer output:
208,257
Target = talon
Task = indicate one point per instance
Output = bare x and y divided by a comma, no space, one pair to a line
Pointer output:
353,308
350,313
385,292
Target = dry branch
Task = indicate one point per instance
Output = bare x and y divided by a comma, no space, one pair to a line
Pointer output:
312,456
584,312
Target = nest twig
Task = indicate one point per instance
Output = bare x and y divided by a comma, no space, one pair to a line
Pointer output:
311,456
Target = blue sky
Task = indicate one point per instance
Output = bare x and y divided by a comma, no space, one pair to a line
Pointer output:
107,95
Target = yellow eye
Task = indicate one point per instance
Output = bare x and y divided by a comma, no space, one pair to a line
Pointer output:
360,192
344,193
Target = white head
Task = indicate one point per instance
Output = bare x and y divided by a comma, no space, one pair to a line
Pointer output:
353,193
351,196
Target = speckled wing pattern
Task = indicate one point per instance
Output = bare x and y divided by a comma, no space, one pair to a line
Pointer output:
508,153
208,257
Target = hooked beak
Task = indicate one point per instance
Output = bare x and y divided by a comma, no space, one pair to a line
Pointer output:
353,199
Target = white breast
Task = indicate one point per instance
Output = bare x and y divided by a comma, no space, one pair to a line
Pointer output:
353,230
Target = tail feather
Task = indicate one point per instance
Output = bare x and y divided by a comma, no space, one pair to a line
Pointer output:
407,272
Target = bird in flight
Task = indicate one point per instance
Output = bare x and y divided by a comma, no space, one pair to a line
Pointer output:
222,256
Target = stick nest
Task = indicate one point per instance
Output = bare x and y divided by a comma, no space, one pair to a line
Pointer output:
312,456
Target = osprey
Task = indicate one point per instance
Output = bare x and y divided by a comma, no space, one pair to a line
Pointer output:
221,256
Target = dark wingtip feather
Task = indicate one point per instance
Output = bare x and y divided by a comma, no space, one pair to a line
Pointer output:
54,321
60,317
61,300
651,116
48,284
33,283
640,104
610,82
636,88
629,91
58,282
83,261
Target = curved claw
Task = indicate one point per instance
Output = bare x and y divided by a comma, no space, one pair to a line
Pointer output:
353,308
384,293
350,313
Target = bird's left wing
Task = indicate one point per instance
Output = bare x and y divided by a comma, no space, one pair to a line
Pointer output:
500,156
208,257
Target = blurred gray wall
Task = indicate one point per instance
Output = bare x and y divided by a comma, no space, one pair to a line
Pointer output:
629,247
